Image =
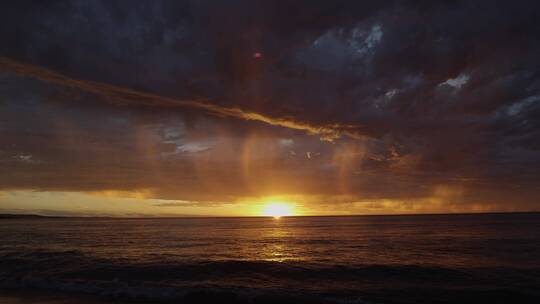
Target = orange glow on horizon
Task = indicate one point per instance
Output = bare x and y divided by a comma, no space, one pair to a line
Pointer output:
278,209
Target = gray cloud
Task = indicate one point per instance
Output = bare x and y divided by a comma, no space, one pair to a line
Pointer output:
430,94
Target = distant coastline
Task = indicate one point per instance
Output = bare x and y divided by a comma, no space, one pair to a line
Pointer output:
23,216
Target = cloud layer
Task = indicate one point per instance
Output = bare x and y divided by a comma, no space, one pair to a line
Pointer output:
417,102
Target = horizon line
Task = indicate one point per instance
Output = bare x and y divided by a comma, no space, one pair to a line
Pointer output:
15,215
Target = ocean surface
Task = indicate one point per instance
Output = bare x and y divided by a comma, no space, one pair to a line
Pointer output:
490,258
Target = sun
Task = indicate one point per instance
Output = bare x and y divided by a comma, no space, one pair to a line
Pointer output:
278,209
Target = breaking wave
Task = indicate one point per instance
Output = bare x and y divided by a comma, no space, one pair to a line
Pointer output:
251,281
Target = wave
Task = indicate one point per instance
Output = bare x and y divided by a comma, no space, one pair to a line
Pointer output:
236,281
76,263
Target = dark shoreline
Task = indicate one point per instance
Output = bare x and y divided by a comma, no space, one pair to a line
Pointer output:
25,296
207,296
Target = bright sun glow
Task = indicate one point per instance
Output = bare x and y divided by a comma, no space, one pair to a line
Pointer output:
278,209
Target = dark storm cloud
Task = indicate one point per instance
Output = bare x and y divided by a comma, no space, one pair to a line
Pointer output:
431,93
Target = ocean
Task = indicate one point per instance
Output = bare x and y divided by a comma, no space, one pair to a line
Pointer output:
484,258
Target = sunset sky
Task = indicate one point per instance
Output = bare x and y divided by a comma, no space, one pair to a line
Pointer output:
240,108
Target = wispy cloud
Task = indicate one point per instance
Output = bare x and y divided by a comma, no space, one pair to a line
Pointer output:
124,95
